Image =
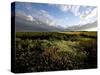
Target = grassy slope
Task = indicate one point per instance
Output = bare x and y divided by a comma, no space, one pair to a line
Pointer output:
46,51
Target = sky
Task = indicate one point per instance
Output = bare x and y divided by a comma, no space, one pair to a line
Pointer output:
57,15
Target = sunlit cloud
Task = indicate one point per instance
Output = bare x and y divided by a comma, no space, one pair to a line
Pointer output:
89,15
72,8
30,18
89,18
32,14
57,15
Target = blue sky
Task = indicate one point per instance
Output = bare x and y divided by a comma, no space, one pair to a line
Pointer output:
57,14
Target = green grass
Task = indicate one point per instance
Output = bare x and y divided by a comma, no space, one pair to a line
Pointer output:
49,51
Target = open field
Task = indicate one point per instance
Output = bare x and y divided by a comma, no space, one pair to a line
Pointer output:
50,51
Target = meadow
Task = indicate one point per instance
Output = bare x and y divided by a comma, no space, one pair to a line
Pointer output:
52,51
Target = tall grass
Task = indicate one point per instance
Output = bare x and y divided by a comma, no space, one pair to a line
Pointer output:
49,51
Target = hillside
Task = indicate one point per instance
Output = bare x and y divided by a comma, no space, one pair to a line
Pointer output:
50,51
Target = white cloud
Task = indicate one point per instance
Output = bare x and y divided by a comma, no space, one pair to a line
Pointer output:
89,18
88,10
64,7
45,17
93,14
75,10
89,15
24,16
30,14
72,8
39,16
29,18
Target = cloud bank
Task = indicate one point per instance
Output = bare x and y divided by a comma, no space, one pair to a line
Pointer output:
31,14
62,17
89,15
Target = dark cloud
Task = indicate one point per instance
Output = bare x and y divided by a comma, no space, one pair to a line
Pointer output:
22,24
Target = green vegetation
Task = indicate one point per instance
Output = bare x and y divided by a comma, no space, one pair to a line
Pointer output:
50,51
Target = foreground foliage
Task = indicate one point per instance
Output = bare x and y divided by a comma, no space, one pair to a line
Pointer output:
50,51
